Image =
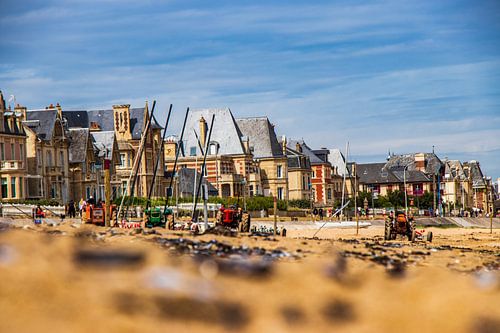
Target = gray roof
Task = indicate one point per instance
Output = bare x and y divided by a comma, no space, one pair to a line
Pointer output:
186,182
78,144
297,160
106,121
337,159
476,174
262,136
379,173
104,143
432,162
225,131
42,122
306,150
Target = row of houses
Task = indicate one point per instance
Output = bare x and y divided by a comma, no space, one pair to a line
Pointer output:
53,153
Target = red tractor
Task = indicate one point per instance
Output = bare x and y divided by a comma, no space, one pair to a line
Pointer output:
399,225
233,218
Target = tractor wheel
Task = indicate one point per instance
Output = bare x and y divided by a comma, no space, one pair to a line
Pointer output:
170,222
388,227
246,222
410,231
218,218
429,236
413,236
283,232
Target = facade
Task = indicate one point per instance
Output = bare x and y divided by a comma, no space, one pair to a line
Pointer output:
12,153
87,152
323,180
47,154
269,155
421,172
457,185
482,188
299,174
230,166
127,124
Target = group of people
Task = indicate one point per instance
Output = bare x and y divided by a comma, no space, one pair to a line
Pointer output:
82,206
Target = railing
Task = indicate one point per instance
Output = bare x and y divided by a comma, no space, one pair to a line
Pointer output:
11,165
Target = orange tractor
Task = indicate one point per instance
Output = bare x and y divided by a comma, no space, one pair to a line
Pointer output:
95,215
234,218
399,224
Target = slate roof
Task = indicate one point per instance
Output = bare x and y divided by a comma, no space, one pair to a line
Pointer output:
433,163
79,119
186,182
225,131
262,137
42,122
78,144
104,143
297,160
306,150
476,175
337,159
379,173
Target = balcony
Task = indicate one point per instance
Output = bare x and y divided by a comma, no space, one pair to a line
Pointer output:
53,170
231,178
11,165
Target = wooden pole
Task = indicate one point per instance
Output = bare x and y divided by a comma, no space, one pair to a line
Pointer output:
107,193
275,214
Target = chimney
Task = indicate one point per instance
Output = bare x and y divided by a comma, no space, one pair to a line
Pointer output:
420,161
283,143
298,147
203,131
59,110
246,144
94,127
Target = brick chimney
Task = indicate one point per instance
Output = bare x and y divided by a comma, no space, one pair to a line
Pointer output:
298,147
283,144
420,161
203,131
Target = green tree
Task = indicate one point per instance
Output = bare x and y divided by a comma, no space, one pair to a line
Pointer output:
396,198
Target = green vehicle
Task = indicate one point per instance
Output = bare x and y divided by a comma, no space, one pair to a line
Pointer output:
155,218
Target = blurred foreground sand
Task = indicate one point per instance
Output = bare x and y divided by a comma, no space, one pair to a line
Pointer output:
340,282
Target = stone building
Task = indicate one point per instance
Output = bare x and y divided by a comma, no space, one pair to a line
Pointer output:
230,166
12,153
87,152
323,180
47,154
127,124
268,154
299,174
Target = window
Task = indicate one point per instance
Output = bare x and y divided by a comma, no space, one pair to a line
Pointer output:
124,187
313,174
123,160
329,194
20,187
279,171
250,188
192,151
12,152
53,191
4,188
213,149
39,157
280,193
61,158
13,187
2,151
49,158
21,152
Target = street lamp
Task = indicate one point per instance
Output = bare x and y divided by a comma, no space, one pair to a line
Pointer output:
404,185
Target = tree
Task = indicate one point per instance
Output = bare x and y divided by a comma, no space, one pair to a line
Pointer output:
396,198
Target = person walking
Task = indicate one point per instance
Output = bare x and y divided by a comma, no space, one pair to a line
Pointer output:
71,209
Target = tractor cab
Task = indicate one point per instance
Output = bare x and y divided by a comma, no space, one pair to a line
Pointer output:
156,217
234,218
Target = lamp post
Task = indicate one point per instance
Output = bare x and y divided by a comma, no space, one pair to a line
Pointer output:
404,186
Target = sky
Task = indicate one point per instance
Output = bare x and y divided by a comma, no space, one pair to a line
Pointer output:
388,75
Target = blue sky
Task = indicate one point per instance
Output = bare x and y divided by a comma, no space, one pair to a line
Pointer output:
398,75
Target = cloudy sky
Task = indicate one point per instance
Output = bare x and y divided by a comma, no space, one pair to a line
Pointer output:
398,75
